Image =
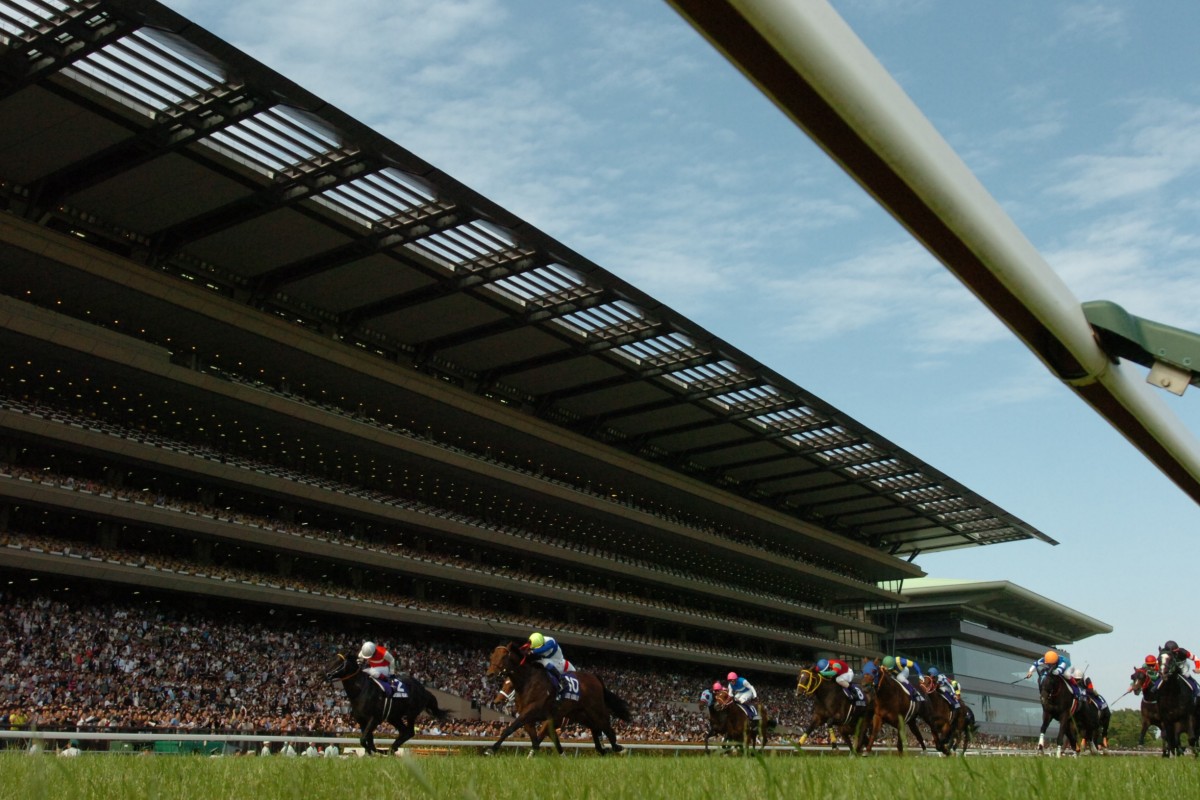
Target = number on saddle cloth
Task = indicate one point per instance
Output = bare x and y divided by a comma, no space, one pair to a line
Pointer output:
392,686
855,695
568,687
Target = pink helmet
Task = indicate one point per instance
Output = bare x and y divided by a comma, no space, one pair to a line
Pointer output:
731,676
717,686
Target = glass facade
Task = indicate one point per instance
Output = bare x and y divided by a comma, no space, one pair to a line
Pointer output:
987,664
1005,715
1015,712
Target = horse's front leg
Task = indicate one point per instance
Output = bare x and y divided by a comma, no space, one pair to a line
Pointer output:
519,722
367,739
876,722
554,735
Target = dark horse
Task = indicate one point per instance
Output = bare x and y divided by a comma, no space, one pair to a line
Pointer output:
1103,720
370,705
1060,704
536,703
1176,708
1142,683
832,707
894,706
731,721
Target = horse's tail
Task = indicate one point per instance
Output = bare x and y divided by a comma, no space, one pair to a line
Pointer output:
618,707
432,707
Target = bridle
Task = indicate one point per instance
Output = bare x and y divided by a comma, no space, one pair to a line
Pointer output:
808,687
333,676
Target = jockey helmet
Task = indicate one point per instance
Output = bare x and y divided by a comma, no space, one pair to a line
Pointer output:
536,640
717,686
889,662
822,665
1051,657
731,677
1170,645
1152,661
368,650
933,672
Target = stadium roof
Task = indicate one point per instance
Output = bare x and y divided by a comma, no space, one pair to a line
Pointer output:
1002,601
130,127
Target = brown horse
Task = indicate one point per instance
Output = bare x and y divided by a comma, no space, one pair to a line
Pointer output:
963,727
1141,683
896,707
536,702
943,715
832,707
507,694
731,721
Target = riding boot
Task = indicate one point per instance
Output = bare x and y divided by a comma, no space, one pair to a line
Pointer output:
555,679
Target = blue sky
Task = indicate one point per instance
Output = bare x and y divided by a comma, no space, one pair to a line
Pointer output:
615,128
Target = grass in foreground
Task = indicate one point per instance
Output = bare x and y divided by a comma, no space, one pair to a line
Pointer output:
631,776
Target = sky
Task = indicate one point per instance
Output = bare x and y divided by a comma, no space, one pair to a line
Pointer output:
618,130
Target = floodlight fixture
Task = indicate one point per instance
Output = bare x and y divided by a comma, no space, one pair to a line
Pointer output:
1172,354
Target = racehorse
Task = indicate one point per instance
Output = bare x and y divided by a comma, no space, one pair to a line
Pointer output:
894,706
943,717
730,720
536,701
832,707
507,694
370,705
1141,683
1059,703
1103,720
964,725
1176,708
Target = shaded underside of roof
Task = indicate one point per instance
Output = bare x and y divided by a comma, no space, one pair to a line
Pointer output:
128,126
1002,601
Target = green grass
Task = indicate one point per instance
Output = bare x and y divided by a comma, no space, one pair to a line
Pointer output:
635,775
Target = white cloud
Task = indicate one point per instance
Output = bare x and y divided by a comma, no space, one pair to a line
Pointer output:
1094,21
899,287
1137,260
1159,145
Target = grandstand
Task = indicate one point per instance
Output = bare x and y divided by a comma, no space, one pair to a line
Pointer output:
259,355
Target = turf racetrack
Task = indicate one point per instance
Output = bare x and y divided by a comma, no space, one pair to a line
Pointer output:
635,775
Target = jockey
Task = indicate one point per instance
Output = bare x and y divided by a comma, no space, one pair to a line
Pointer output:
954,685
941,680
1052,663
1173,652
837,670
946,686
902,665
740,689
1178,654
546,651
375,660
